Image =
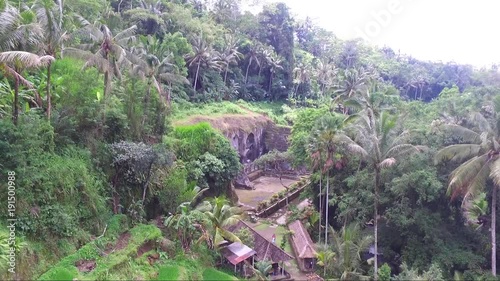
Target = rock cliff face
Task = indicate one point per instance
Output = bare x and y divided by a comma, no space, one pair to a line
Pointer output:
249,144
250,134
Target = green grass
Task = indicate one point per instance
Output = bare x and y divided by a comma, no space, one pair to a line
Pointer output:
62,274
213,274
170,272
261,226
139,235
275,111
115,262
185,110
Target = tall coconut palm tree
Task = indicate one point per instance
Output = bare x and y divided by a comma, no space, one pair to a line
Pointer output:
274,63
480,157
50,18
153,61
323,147
315,151
353,83
230,55
326,75
13,64
252,55
302,74
265,57
203,55
106,52
18,29
378,145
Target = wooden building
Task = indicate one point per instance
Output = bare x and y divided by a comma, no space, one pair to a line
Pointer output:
266,251
303,247
240,256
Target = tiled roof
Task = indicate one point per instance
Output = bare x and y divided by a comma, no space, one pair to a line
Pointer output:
301,241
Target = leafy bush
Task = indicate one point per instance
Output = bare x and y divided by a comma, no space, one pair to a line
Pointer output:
210,158
262,205
384,272
54,219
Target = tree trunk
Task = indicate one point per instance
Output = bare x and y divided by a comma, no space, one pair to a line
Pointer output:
320,205
375,223
146,184
270,82
116,196
494,232
106,84
326,205
246,74
104,97
146,102
196,76
169,95
225,75
49,100
15,112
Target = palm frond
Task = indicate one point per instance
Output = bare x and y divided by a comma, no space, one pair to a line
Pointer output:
481,122
495,172
125,35
469,178
229,235
467,135
173,78
357,149
26,59
388,162
457,152
403,150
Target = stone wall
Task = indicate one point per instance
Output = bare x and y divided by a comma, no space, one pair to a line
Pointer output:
250,145
276,137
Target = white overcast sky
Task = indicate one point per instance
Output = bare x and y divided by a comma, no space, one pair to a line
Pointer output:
463,31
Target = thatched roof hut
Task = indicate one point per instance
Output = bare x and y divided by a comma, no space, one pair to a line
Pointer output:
265,249
303,246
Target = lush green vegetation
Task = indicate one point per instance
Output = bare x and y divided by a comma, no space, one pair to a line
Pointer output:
97,102
170,272
213,274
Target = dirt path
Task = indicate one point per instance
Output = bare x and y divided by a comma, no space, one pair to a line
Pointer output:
265,187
